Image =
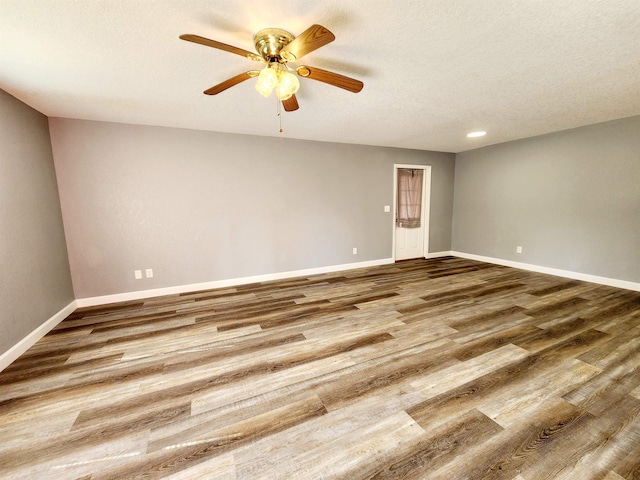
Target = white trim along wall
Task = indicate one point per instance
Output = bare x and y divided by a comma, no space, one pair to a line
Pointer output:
21,347
195,287
611,282
141,294
8,357
27,342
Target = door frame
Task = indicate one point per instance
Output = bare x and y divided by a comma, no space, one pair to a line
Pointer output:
426,203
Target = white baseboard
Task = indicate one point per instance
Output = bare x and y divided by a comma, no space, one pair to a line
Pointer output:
611,282
195,287
23,345
439,254
8,357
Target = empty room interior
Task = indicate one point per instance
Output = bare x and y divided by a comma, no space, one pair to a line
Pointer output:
389,240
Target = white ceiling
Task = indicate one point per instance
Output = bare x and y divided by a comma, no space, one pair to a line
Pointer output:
433,70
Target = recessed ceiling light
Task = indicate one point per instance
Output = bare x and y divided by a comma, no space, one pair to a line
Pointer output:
476,134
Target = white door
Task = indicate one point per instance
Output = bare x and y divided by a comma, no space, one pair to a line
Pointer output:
411,230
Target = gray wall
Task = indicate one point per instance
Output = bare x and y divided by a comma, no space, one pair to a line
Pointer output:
35,282
202,206
571,199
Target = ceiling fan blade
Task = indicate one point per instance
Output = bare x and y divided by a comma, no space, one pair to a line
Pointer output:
220,46
335,79
311,39
290,104
221,87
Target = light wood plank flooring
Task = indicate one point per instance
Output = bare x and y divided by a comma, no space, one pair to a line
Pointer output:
428,369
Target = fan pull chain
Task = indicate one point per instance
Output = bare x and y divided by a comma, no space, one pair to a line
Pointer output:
279,115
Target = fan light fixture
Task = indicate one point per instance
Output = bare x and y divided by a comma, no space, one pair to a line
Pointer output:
283,82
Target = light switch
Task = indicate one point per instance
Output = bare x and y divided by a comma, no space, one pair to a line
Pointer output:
387,208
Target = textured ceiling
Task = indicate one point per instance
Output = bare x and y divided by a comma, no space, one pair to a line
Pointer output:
433,70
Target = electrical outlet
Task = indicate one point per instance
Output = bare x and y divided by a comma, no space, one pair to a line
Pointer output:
355,251
137,274
149,272
518,249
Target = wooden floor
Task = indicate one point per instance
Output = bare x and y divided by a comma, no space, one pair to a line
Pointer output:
443,369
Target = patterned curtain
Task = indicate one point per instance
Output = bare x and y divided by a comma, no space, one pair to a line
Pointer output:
409,197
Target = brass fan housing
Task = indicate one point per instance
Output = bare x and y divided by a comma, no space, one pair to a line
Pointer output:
270,41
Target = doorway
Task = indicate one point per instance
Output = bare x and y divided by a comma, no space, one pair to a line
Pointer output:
411,197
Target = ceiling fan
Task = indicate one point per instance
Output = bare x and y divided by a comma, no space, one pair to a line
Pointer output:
277,48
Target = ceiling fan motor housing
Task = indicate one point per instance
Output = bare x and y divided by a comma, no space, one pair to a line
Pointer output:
270,42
